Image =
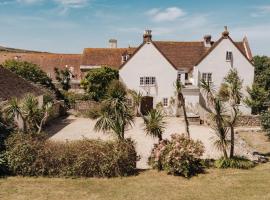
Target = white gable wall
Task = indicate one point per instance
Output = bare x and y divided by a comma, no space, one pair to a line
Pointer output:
148,61
216,64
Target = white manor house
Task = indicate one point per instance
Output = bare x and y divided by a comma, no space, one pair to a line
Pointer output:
153,67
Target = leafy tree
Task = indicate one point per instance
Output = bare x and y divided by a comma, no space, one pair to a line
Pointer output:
115,114
217,113
181,103
231,92
97,82
154,123
63,77
260,91
265,121
29,71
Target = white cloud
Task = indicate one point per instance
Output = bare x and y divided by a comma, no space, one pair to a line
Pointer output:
168,14
72,3
261,11
29,1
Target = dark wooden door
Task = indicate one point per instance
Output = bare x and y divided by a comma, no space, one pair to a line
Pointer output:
146,105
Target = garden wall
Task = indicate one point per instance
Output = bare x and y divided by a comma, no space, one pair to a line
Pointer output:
249,120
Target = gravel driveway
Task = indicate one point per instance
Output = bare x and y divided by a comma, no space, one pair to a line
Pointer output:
80,128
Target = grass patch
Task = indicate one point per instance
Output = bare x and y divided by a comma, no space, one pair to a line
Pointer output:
235,162
219,184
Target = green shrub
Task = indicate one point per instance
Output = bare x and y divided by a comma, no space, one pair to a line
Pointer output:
93,113
180,156
3,164
235,162
35,156
265,121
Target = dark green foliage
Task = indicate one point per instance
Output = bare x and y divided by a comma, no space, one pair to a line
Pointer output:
260,92
33,155
63,77
265,121
97,81
29,71
180,156
235,162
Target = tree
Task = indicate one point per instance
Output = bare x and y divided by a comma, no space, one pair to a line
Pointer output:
137,98
30,72
97,82
230,92
181,103
63,77
216,110
115,114
154,123
260,91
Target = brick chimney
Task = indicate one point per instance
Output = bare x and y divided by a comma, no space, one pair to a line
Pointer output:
225,33
207,40
147,36
112,43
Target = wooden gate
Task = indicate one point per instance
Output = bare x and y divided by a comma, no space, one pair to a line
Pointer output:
146,105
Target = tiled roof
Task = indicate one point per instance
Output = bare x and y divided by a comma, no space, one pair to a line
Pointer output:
183,55
110,57
11,85
47,61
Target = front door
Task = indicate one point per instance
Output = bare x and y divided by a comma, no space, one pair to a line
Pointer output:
146,105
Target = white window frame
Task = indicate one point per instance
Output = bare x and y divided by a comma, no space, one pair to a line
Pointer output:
165,102
207,77
147,81
229,56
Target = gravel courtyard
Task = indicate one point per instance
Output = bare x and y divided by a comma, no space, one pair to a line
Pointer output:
74,128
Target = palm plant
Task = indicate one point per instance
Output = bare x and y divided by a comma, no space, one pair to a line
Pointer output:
137,98
181,103
14,111
28,110
216,110
154,124
231,92
115,114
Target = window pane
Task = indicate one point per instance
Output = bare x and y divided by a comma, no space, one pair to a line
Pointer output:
141,81
186,76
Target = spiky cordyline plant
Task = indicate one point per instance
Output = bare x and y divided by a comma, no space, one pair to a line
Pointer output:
181,103
154,124
115,115
231,92
216,111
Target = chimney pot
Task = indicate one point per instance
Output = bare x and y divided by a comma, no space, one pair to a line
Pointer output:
225,33
147,36
112,43
207,40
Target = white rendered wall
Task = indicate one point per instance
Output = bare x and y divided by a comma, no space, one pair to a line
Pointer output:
148,61
216,64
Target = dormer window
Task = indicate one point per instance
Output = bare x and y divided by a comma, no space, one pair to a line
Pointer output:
125,58
229,56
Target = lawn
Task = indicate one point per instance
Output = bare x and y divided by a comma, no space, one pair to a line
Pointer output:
215,184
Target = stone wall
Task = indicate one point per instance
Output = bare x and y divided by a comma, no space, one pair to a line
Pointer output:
84,106
249,121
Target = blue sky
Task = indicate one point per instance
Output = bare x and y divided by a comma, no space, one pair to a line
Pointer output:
68,26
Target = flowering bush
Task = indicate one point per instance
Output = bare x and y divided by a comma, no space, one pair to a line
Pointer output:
178,156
